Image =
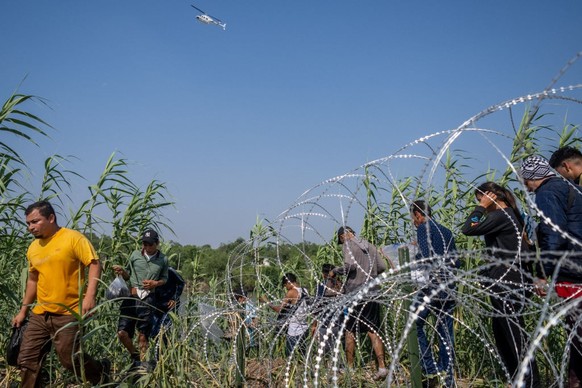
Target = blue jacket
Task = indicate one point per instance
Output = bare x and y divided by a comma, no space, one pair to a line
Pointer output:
561,202
437,250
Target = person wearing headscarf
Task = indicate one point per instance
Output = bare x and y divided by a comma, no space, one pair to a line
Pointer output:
559,205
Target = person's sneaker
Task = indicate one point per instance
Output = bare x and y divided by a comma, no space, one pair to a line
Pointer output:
381,374
105,371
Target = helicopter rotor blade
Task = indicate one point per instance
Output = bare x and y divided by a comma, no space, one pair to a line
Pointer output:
198,9
215,18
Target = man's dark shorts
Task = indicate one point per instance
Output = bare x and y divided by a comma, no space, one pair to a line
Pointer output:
138,313
364,318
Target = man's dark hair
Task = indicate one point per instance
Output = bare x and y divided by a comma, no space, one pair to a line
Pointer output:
563,154
327,268
421,207
503,194
45,209
288,277
343,230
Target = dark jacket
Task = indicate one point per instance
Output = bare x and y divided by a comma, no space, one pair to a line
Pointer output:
561,202
171,290
501,230
434,240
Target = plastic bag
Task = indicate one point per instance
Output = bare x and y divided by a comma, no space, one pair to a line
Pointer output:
568,290
392,252
13,347
117,289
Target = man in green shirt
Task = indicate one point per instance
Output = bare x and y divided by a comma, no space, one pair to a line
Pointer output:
146,270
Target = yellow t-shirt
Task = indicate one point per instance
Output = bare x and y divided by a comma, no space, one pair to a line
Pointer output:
60,262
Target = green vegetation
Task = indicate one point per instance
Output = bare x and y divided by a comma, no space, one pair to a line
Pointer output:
117,209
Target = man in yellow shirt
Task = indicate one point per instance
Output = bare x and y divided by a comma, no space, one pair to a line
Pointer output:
56,278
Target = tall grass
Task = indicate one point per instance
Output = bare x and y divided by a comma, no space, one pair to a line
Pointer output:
116,212
117,209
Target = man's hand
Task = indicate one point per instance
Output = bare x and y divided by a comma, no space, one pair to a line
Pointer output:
150,284
171,304
119,270
487,199
541,287
88,305
19,318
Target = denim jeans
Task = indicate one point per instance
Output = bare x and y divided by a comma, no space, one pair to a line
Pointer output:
160,320
442,310
296,341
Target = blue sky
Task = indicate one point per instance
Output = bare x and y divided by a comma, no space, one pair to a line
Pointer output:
239,123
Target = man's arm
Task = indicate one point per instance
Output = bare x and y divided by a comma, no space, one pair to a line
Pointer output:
164,274
349,261
162,279
29,298
150,284
92,283
291,297
381,259
480,223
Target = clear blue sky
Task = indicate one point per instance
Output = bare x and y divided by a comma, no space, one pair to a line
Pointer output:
239,123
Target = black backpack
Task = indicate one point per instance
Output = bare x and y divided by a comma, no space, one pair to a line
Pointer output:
13,347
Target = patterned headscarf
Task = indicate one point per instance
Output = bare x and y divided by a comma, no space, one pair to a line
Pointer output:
535,168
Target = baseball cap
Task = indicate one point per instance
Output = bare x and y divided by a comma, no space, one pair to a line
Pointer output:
150,236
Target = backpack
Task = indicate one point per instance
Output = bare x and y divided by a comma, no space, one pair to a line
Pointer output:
13,346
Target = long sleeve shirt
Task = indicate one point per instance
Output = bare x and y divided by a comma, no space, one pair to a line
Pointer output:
433,239
503,233
436,255
500,228
362,263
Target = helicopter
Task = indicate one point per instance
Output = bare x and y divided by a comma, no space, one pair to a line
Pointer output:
207,19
